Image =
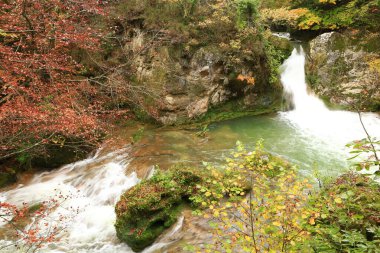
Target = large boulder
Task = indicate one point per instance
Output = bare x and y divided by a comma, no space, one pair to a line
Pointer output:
149,208
345,69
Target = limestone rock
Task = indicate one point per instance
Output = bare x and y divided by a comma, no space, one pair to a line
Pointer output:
198,108
340,69
185,84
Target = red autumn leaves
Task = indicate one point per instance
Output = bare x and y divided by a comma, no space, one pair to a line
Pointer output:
41,92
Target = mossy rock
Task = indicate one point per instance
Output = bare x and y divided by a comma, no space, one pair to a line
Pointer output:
282,44
154,205
149,208
7,177
57,156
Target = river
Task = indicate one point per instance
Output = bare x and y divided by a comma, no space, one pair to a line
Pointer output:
310,135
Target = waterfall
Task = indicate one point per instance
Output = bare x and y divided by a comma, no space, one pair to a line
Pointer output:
295,87
310,114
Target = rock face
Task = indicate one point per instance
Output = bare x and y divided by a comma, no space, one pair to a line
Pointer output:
188,82
342,69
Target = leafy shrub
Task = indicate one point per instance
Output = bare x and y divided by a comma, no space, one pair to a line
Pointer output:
347,216
324,15
247,12
283,17
270,218
280,214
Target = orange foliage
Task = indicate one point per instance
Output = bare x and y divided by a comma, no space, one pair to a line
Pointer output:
249,79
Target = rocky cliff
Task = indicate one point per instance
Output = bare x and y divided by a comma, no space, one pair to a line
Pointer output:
344,68
180,61
188,84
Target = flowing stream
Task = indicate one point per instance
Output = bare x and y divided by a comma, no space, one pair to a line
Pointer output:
309,134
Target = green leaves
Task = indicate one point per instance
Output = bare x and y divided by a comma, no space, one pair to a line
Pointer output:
271,214
364,154
279,215
349,209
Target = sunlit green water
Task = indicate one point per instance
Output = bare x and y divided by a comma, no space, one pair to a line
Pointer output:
282,138
310,151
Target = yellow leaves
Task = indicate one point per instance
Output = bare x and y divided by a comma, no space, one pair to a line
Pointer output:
284,15
276,202
266,216
309,21
235,44
279,198
328,2
247,238
7,34
338,200
208,194
375,65
333,27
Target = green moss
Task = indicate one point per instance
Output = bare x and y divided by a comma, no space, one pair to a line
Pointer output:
152,206
34,208
7,177
146,210
277,51
236,109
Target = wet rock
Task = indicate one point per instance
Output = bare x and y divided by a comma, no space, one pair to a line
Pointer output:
198,108
57,156
7,176
341,69
205,71
250,99
169,119
187,83
175,103
148,209
220,96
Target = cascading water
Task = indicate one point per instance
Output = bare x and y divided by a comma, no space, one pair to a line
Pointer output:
293,79
95,185
312,116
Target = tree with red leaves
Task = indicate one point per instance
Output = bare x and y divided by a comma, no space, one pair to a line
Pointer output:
43,100
27,228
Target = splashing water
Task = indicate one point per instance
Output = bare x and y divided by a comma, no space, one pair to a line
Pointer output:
310,114
96,184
